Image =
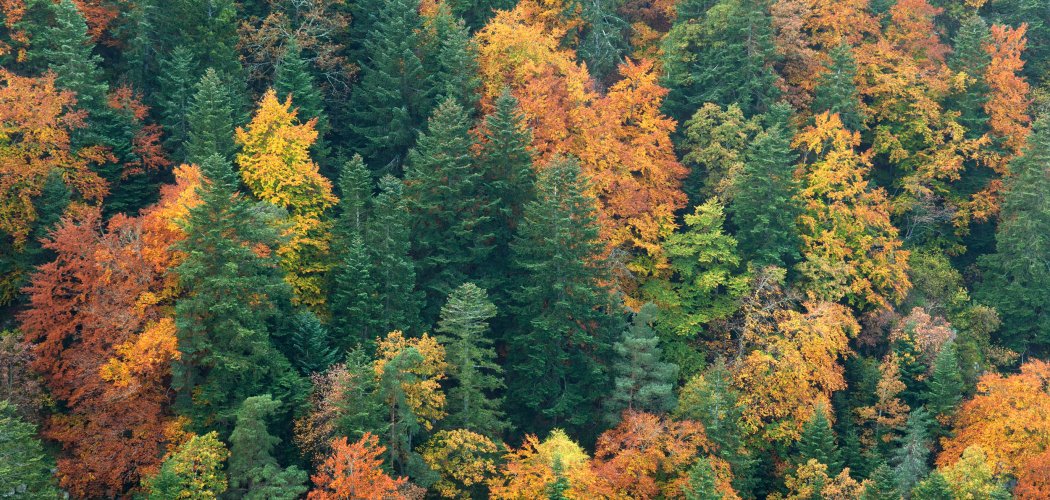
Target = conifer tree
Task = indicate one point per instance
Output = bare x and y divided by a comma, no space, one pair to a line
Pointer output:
934,487
403,424
945,387
763,206
194,470
555,372
453,58
443,191
1016,279
603,43
836,91
210,120
881,485
464,331
396,94
294,79
25,469
818,443
176,88
208,29
352,291
969,56
312,351
701,485
231,295
910,459
388,244
254,472
642,381
65,48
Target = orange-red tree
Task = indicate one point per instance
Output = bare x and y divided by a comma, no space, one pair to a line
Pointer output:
355,471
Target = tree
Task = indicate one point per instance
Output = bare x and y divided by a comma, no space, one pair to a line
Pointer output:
176,92
294,81
193,470
537,469
276,167
65,48
210,120
881,485
351,290
254,472
642,381
910,459
354,471
233,289
836,92
388,242
974,477
713,144
25,468
443,191
934,487
818,443
945,387
1013,279
311,348
889,413
463,459
701,484
556,375
464,331
1033,480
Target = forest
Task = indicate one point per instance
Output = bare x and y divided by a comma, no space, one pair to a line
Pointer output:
525,249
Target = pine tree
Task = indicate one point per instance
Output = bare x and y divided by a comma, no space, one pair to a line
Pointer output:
312,351
763,206
25,469
555,357
882,485
910,459
836,91
443,195
945,388
352,291
177,82
396,94
294,79
642,381
210,119
388,243
464,331
254,472
818,443
231,296
1016,279
701,485
934,487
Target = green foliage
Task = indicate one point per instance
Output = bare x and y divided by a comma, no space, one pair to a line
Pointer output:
403,424
452,56
210,120
701,485
177,79
254,472
352,291
642,381
836,91
603,44
934,487
464,332
388,242
193,471
818,443
945,389
25,469
882,485
312,350
64,47
971,58
294,79
910,459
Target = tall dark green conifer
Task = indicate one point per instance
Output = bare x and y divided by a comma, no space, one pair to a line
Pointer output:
211,120
555,358
642,380
253,470
818,443
293,78
65,48
25,468
945,389
909,461
352,292
701,485
177,86
453,59
311,349
387,242
836,91
604,43
969,56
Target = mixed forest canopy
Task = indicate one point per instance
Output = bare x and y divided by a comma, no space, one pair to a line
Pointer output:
525,249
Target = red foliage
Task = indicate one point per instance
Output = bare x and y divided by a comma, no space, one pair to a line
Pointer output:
355,471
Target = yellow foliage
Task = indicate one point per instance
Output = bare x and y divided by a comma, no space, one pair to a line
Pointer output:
462,458
425,396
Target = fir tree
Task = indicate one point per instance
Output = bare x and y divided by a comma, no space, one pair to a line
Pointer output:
254,472
910,459
603,43
836,91
763,206
444,198
555,372
25,469
882,485
293,78
557,489
701,485
388,243
210,120
65,48
208,29
352,291
934,487
454,58
464,331
945,389
818,443
312,351
969,56
177,82
231,296
642,381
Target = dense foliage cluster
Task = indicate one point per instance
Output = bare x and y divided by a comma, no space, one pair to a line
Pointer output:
539,249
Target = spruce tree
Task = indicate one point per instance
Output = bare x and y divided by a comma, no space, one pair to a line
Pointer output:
836,91
388,243
763,206
882,485
464,331
818,443
64,47
934,487
453,56
231,296
253,471
910,460
25,468
1016,279
970,57
352,291
556,376
311,349
701,485
177,85
293,78
211,120
642,380
443,191
396,94
945,389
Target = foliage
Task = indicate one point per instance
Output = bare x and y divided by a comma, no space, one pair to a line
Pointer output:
26,469
194,470
354,471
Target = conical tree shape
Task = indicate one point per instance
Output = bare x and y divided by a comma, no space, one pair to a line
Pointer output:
65,48
211,119
311,350
945,388
294,80
909,461
642,381
836,91
177,81
701,485
818,443
387,240
933,487
352,291
453,55
881,486
254,472
464,331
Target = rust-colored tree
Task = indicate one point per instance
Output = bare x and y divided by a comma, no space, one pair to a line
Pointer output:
355,471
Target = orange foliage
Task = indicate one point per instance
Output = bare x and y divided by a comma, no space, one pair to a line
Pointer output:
1007,103
528,470
889,413
1033,479
1008,418
146,143
355,471
927,333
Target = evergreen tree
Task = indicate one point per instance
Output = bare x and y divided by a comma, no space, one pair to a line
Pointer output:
254,472
194,470
882,485
208,28
352,291
388,243
211,119
934,487
603,43
312,351
969,56
464,331
642,381
17,262
945,388
396,94
1016,279
911,458
444,198
725,58
403,424
763,206
556,489
64,47
453,57
836,91
475,13
177,82
555,372
25,469
701,485
293,78
231,296
818,443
